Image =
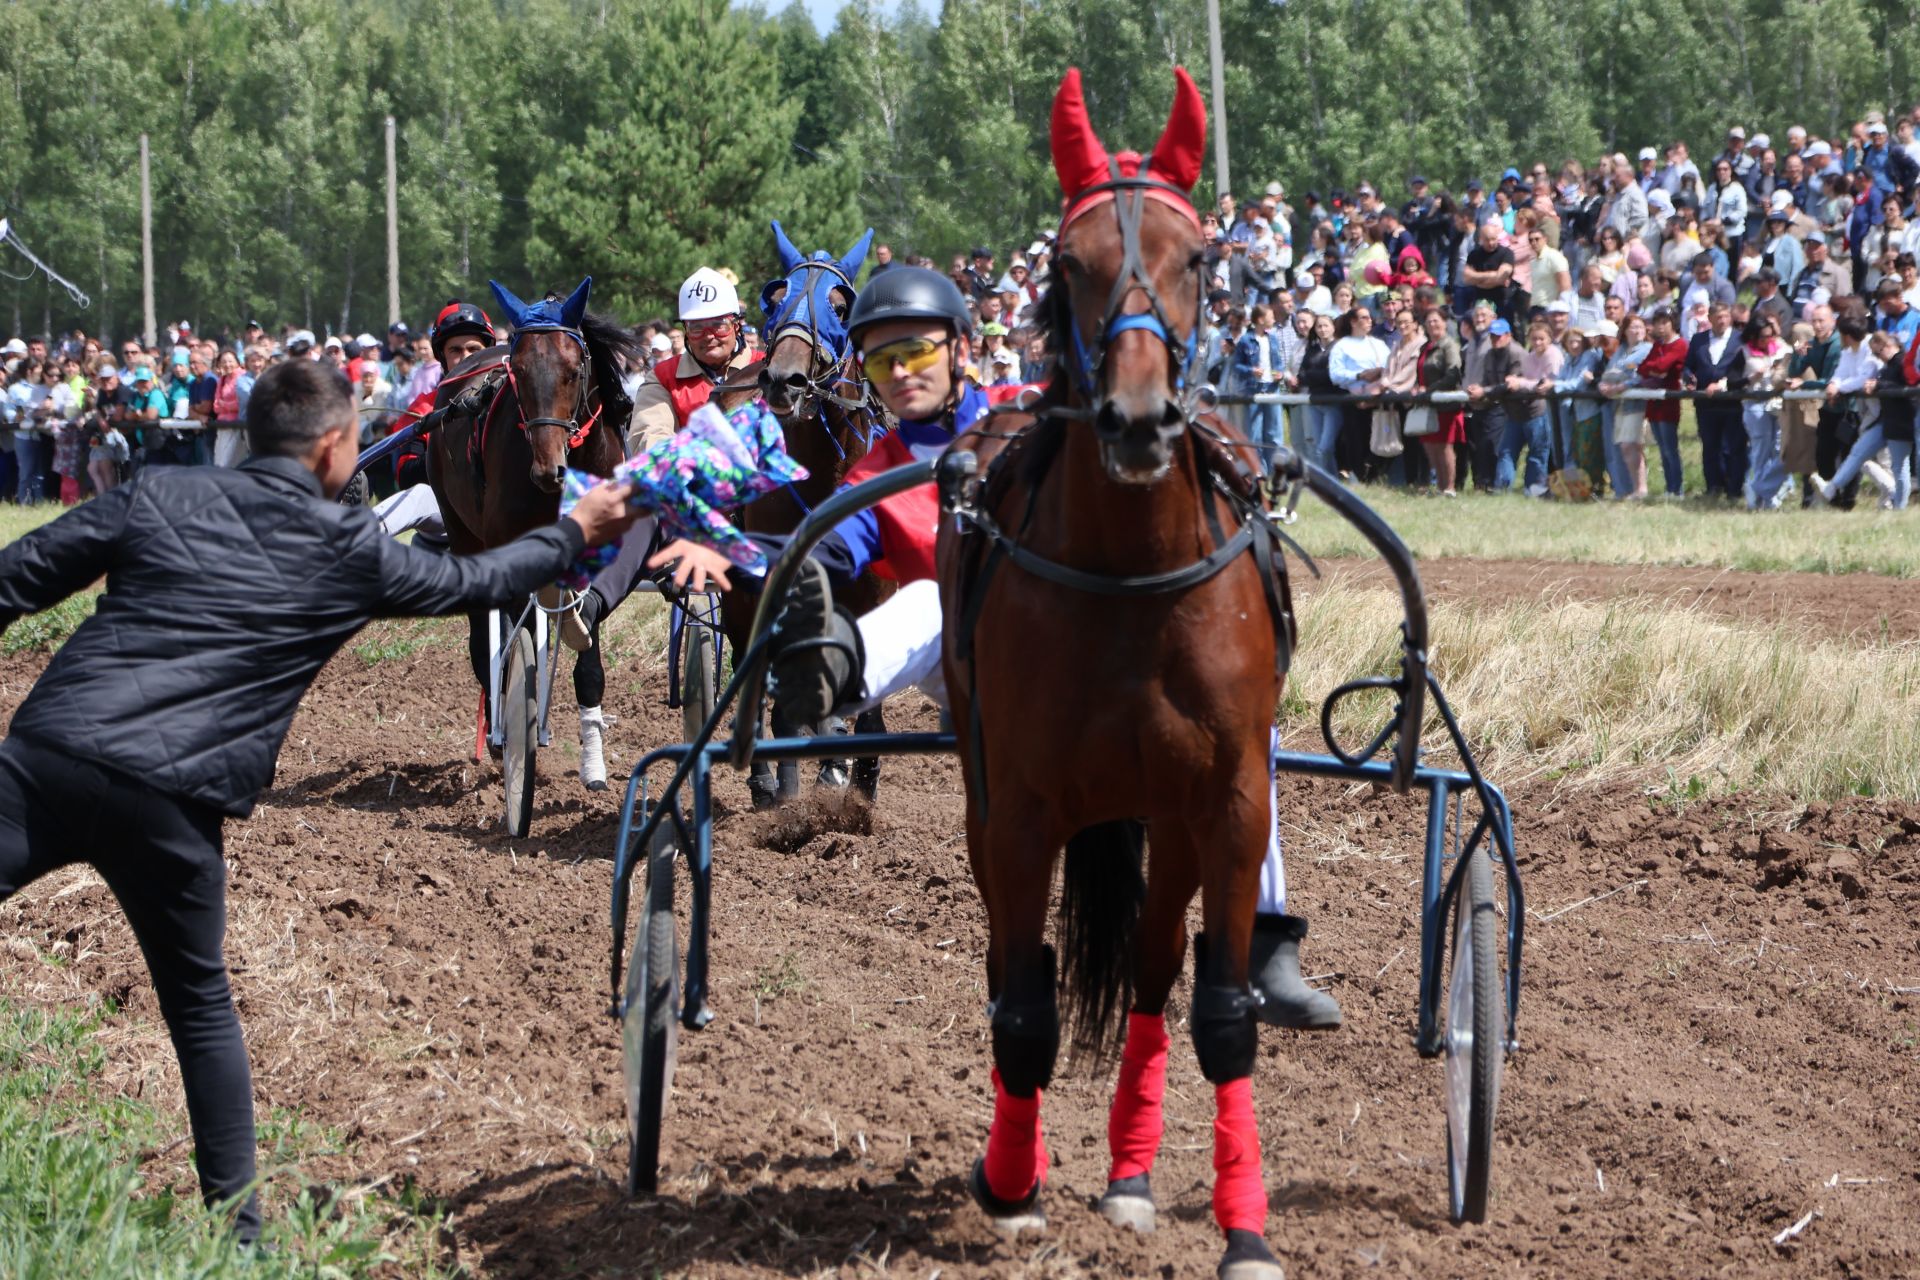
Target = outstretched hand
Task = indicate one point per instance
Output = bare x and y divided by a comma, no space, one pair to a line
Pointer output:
695,567
603,513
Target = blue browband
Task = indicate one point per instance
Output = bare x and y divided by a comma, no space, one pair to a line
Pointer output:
1121,324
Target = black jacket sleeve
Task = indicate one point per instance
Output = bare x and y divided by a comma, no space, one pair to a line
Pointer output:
415,583
46,566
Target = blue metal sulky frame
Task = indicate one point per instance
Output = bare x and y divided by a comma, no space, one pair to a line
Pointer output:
678,821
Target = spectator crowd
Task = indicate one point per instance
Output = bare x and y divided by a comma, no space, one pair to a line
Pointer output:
1778,268
1555,307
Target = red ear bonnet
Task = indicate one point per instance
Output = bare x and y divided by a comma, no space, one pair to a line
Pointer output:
1176,157
1081,161
1078,158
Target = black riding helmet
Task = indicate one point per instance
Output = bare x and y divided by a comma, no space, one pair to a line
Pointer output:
908,293
458,317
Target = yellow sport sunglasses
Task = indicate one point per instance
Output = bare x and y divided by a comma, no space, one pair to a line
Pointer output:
914,355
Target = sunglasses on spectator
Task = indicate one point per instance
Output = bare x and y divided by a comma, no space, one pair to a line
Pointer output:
710,328
913,355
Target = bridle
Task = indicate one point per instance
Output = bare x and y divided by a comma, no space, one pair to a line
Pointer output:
577,431
1084,363
825,372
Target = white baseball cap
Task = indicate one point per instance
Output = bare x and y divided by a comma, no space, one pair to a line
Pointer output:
1648,153
15,347
1782,199
707,295
1759,141
365,342
661,345
1006,356
333,340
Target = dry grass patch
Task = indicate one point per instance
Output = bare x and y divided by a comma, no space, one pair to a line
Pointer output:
1702,704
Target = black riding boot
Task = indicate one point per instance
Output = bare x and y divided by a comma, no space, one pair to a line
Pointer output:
816,656
1286,999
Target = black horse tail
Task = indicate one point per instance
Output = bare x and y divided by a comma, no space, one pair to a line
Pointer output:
1101,895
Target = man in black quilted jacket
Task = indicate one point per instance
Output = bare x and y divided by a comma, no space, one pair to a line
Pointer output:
227,590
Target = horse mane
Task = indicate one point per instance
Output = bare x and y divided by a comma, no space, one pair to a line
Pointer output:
607,338
1052,320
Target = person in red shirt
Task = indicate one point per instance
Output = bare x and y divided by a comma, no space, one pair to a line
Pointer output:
677,385
716,349
1662,368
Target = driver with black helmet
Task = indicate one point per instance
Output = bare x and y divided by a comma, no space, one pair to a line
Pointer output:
911,327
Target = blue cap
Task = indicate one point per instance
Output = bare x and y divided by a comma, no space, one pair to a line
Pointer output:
143,374
1500,326
1474,184
1510,173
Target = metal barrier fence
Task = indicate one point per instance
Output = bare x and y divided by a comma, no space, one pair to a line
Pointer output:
1389,399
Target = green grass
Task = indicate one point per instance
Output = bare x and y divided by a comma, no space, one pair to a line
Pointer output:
1694,532
390,640
79,1193
49,629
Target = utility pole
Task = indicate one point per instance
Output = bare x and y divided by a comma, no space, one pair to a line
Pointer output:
152,331
393,233
1221,183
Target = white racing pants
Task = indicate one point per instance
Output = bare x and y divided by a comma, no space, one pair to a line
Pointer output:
412,508
902,643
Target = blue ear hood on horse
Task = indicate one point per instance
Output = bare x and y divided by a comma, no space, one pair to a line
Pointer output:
790,257
548,313
856,256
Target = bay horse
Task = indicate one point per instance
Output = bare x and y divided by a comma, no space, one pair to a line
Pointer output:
811,381
496,473
1110,647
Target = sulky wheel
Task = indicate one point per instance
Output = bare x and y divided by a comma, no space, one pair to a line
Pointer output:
651,1022
520,716
1472,1048
696,676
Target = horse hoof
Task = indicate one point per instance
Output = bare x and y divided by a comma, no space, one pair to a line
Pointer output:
1248,1258
834,774
1006,1217
1129,1203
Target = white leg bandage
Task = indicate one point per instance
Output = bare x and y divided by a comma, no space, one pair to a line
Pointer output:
411,508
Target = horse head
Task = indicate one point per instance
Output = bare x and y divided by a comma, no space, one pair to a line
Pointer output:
550,374
806,328
1129,288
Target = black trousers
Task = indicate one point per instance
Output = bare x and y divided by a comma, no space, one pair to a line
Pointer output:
162,858
1723,448
1482,449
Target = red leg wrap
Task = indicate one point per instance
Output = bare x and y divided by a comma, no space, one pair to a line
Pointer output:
1016,1157
1239,1190
480,729
1134,1125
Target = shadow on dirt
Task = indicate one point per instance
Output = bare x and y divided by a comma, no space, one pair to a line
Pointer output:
549,1220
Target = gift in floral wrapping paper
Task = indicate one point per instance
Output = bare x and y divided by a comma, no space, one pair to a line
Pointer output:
717,462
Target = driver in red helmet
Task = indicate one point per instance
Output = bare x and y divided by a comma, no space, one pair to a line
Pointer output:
460,331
